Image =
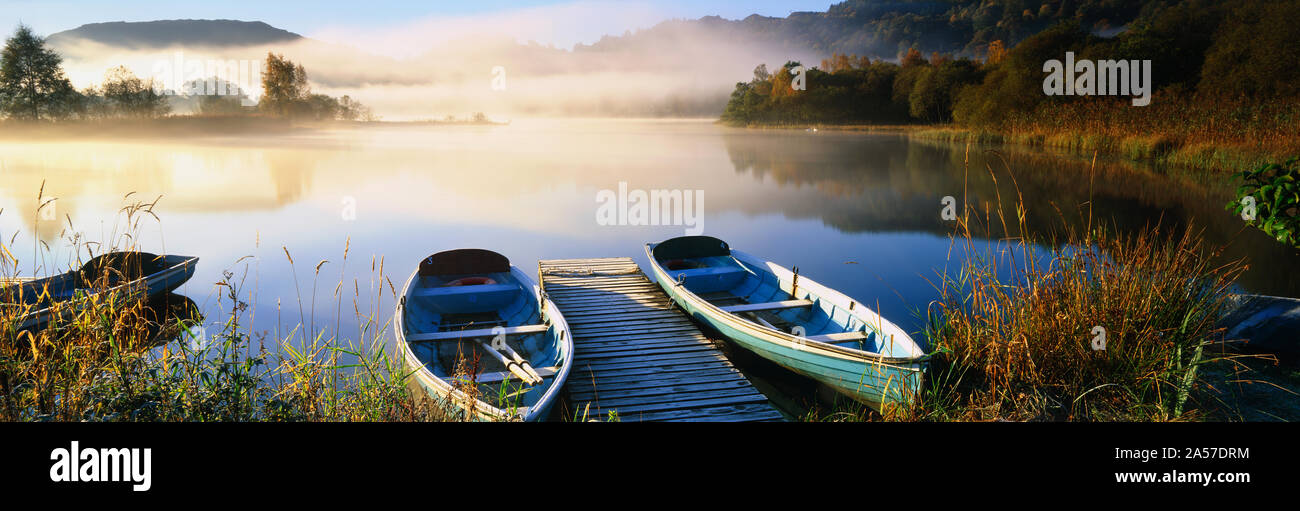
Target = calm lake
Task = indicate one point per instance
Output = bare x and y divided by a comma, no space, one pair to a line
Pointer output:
859,212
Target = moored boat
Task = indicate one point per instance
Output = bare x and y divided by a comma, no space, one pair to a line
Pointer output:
481,339
123,275
790,319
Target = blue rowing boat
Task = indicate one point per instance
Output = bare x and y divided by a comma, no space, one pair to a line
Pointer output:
481,339
120,276
789,319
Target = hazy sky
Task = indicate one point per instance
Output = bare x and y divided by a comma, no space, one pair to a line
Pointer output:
575,21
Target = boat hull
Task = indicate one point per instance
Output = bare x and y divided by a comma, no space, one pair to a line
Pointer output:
862,376
179,270
448,397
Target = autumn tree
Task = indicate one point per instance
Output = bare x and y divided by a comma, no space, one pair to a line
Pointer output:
997,52
285,90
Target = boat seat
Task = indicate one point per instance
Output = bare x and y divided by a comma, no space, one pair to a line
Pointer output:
504,375
755,307
463,290
479,332
466,299
840,337
710,278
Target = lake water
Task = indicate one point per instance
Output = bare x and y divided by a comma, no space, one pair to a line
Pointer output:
860,212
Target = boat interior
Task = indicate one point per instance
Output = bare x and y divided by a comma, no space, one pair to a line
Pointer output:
460,302
707,268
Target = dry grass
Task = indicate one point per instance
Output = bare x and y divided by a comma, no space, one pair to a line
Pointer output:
100,359
1016,331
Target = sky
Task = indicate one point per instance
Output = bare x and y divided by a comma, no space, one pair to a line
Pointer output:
570,21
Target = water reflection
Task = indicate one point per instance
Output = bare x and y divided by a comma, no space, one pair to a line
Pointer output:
857,211
171,317
891,183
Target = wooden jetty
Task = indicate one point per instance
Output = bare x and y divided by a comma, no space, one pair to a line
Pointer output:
637,355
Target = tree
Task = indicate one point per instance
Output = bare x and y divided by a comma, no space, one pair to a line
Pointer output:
1255,53
284,87
997,52
132,97
32,82
214,104
911,58
323,108
937,87
351,110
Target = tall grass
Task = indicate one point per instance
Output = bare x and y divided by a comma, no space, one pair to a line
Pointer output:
1217,133
99,360
1016,332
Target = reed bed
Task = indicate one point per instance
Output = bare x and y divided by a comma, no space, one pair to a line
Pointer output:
1016,330
1101,325
1205,133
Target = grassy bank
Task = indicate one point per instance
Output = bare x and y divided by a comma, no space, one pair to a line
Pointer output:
1228,135
110,357
1097,326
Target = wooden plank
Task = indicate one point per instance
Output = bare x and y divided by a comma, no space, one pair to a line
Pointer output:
625,351
643,312
594,364
642,360
688,336
481,332
705,378
839,337
641,368
619,334
754,307
632,348
735,413
634,351
613,380
502,375
624,410
614,300
677,390
577,310
631,324
549,262
746,392
597,295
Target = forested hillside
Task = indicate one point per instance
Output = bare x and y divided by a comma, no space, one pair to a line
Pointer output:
1224,74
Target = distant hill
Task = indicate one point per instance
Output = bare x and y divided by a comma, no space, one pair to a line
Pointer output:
885,28
164,33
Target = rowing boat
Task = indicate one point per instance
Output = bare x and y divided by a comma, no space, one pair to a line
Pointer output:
790,319
134,276
481,339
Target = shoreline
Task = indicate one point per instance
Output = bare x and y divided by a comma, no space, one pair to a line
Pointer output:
191,126
1153,149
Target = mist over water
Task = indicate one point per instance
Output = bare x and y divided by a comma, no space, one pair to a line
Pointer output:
429,69
858,212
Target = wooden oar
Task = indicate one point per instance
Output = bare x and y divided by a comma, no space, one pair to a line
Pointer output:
511,365
522,363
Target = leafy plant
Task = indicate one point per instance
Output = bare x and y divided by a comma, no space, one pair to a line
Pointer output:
1269,198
